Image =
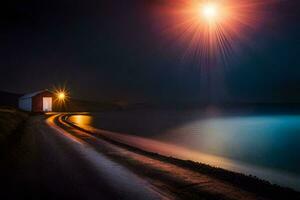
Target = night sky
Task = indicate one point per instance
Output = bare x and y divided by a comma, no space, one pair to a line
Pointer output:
105,50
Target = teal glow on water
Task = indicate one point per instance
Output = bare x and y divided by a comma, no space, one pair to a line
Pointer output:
267,141
271,141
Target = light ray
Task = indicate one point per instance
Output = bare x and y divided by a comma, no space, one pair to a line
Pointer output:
207,30
62,96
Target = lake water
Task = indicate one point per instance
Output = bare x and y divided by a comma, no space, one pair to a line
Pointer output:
261,144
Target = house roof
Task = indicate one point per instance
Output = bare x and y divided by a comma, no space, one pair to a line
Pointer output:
30,95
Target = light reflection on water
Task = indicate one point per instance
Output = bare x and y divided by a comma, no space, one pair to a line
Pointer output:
83,121
265,146
270,141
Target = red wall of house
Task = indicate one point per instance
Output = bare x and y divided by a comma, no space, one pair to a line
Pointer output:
37,101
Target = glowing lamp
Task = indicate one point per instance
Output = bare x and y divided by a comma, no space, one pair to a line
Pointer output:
61,95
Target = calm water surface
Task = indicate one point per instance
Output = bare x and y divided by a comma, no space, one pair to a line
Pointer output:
265,145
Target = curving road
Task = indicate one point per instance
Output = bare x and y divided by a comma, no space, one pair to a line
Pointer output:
50,163
54,159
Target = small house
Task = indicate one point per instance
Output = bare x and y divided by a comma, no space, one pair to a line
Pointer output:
40,101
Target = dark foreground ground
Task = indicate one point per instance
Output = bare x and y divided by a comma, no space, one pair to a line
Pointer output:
43,164
55,160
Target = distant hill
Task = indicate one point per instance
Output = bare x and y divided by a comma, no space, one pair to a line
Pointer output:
9,99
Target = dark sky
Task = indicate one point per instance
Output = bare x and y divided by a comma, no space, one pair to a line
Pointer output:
112,50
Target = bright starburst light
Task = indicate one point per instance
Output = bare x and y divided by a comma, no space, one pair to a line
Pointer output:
209,11
208,31
61,94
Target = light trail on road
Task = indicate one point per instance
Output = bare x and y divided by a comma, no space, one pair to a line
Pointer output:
166,149
151,166
120,182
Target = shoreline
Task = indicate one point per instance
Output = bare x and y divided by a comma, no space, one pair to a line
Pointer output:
275,176
246,182
278,168
174,178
